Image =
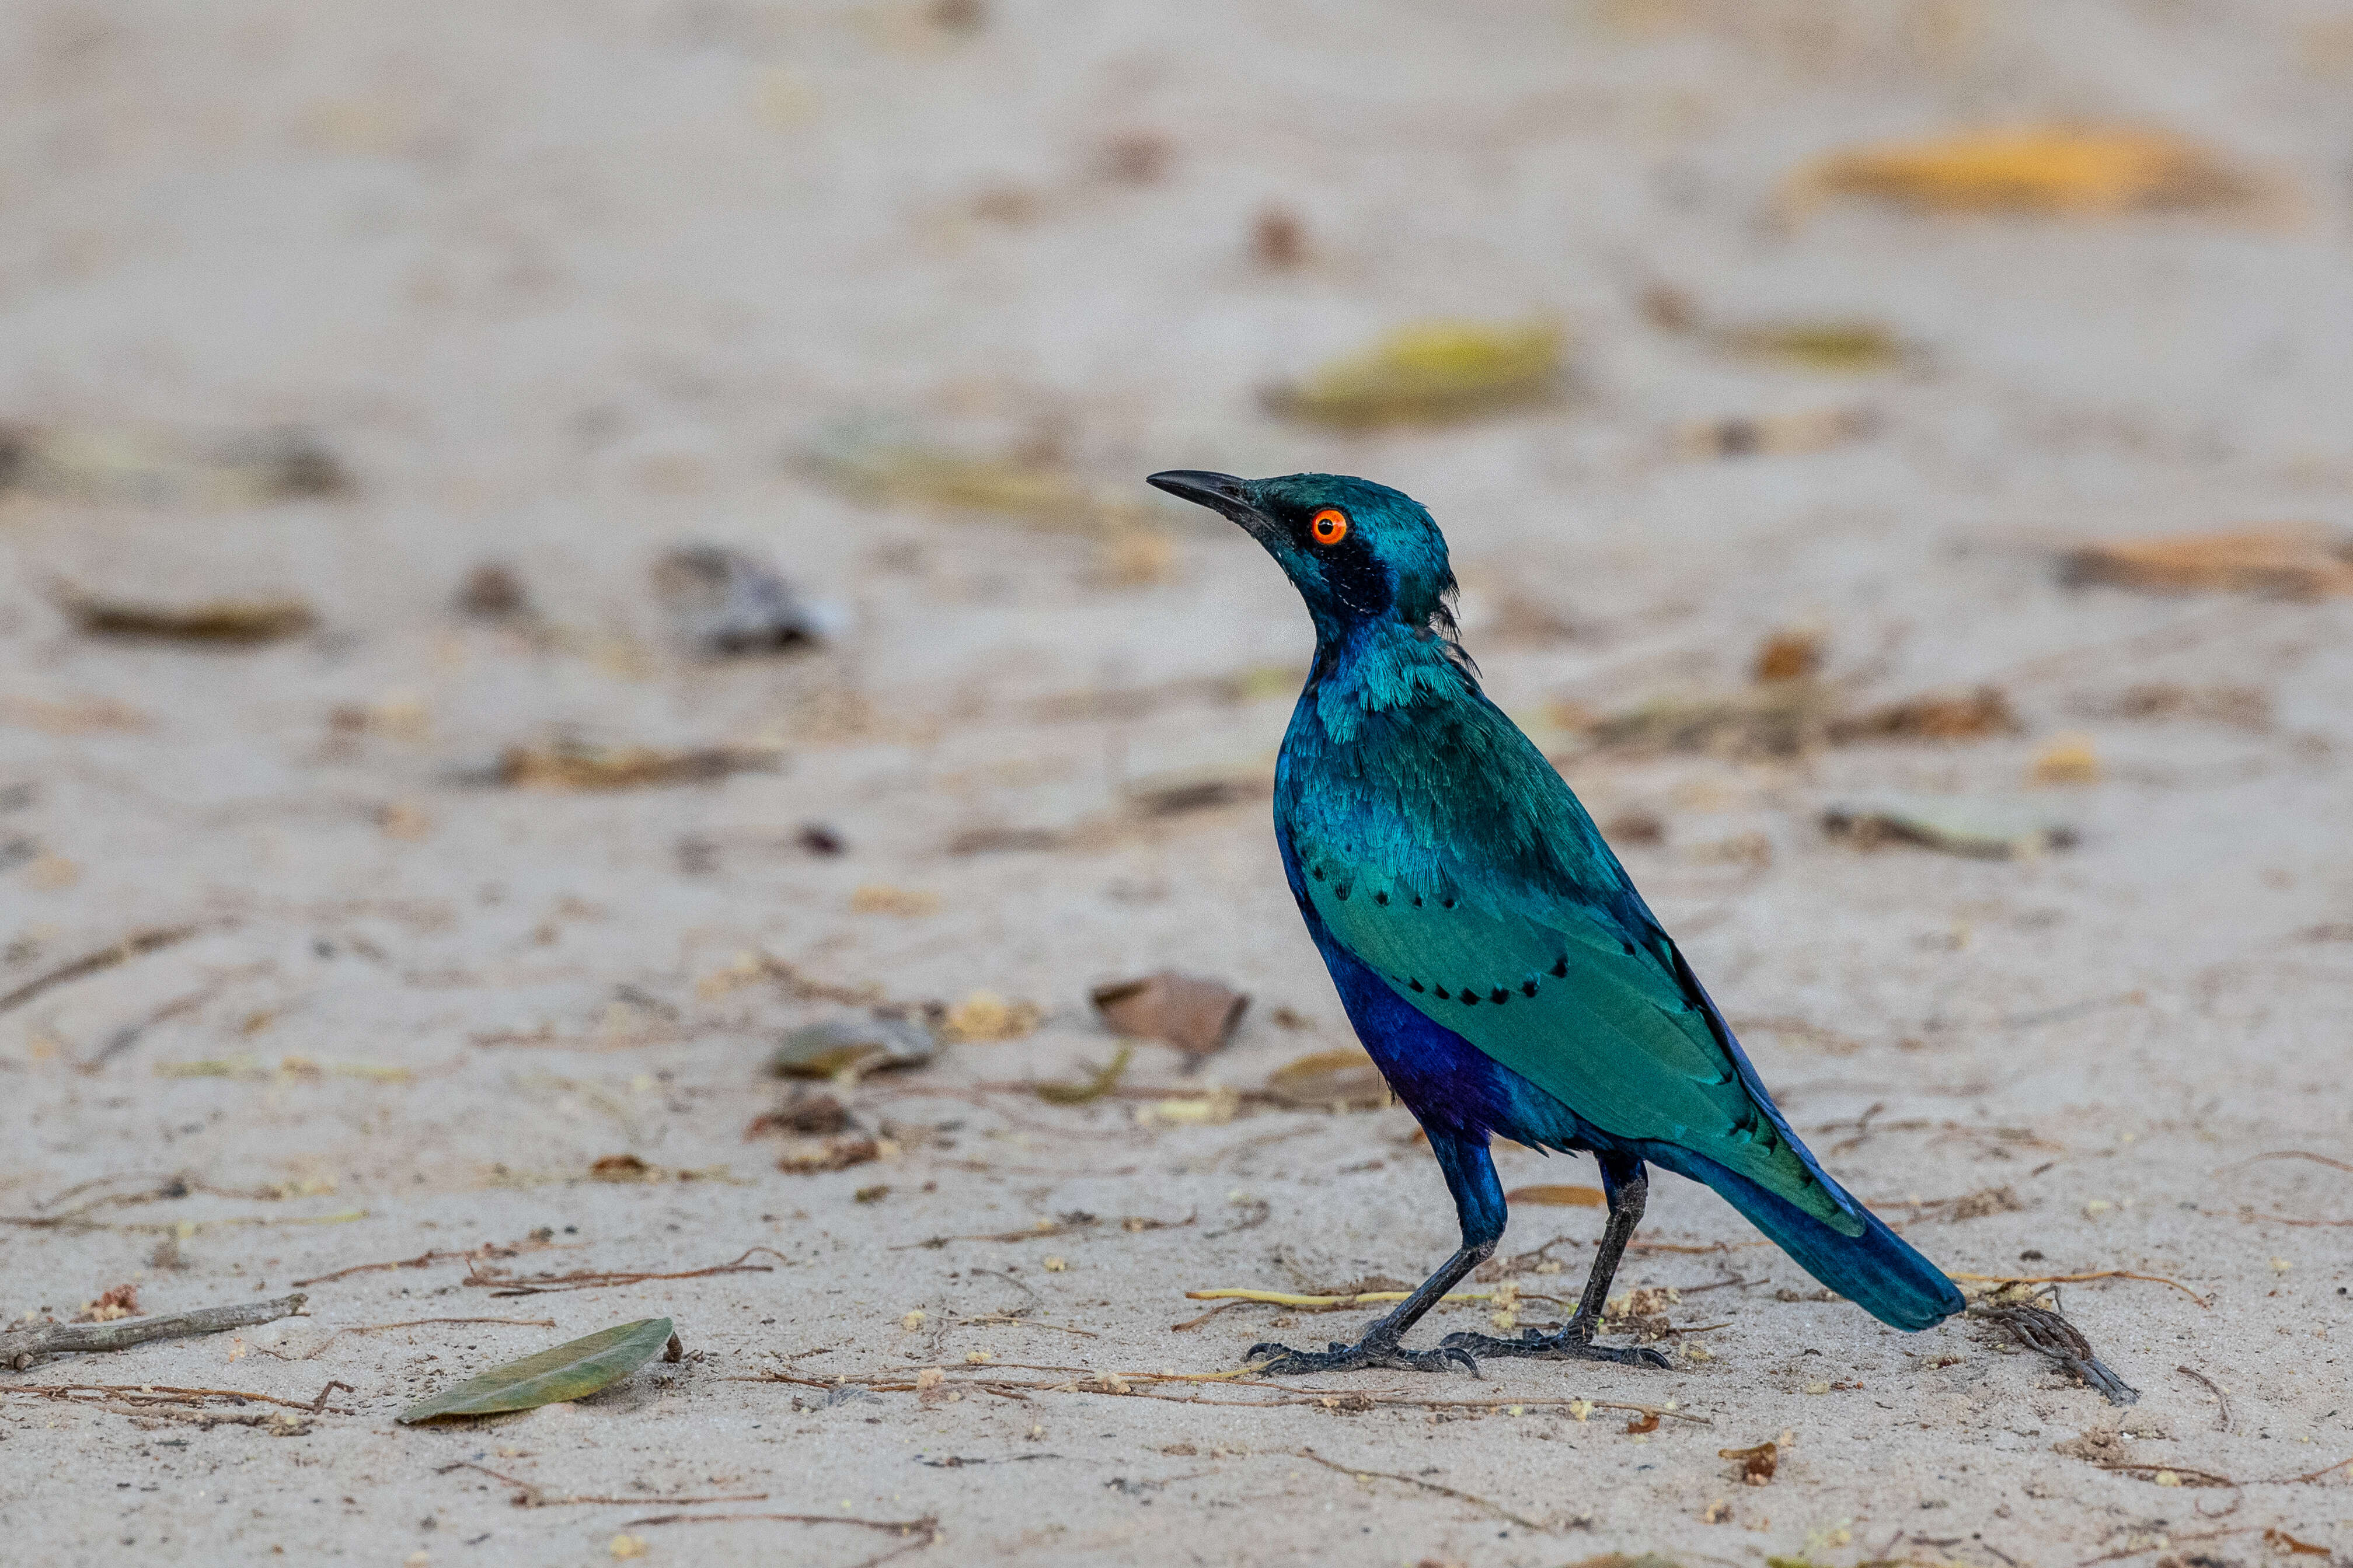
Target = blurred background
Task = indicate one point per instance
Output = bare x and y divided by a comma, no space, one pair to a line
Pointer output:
548,549
682,462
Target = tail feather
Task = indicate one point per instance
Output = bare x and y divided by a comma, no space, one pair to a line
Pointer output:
1878,1270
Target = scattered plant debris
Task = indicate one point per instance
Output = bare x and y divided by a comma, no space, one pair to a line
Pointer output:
2065,760
835,1153
1278,239
1791,653
1330,1080
852,1046
1758,1465
1183,790
803,1112
20,1347
984,1015
574,1370
1198,1016
1636,825
2242,706
2305,563
494,591
1958,825
228,622
501,1283
529,1495
111,1305
1775,435
875,464
1847,347
151,468
1099,1081
2043,170
1497,1508
137,944
1431,372
1970,1205
1932,716
570,763
722,603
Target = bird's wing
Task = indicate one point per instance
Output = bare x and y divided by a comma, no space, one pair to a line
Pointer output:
1544,957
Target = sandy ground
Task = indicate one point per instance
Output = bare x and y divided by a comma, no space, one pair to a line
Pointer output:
567,284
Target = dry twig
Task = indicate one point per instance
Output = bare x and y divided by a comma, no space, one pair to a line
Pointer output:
527,1495
2008,1280
2221,1400
1498,1509
596,1279
926,1530
19,1348
136,944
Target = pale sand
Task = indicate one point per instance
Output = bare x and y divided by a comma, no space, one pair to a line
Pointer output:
566,287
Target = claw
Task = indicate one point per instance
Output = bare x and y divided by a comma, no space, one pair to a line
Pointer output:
1565,1345
1282,1360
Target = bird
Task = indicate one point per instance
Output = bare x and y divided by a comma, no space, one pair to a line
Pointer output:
1494,956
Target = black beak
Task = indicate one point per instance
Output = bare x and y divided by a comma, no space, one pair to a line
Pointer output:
1219,492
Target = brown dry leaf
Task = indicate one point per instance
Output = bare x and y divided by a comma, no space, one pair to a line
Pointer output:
226,621
1337,1080
1566,1197
1779,719
1197,1016
1431,372
809,1114
1756,1464
121,1301
1934,716
2243,707
1791,653
2044,169
986,1015
1648,1421
1278,239
1636,825
1183,790
833,1154
623,1168
2293,561
574,764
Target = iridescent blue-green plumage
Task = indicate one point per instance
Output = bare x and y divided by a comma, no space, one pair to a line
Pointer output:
1494,956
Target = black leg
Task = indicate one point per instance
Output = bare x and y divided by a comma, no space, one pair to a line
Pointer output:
1629,1188
1479,1203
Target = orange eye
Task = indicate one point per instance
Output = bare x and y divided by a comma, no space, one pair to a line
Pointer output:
1329,526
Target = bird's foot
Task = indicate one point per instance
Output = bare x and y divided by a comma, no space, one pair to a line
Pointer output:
1574,1342
1372,1350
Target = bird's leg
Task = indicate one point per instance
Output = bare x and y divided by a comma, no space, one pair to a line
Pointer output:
1629,1188
1479,1202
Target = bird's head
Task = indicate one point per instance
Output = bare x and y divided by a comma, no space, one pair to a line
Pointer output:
1358,552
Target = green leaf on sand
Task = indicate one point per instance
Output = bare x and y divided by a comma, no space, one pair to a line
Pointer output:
572,1371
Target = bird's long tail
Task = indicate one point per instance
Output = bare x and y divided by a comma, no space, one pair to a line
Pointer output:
1878,1270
